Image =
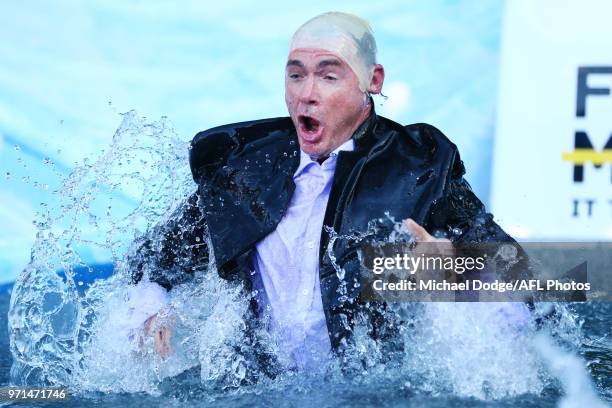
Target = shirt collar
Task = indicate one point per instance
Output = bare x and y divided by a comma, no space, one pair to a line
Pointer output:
305,159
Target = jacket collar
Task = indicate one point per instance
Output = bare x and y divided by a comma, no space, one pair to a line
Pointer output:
364,136
305,159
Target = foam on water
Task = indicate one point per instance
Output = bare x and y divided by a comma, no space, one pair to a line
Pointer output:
62,335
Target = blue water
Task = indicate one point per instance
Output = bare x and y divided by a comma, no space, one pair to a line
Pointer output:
362,391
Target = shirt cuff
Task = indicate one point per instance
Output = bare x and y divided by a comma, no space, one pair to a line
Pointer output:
143,301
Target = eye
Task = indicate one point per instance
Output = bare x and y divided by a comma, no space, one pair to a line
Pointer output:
330,77
294,76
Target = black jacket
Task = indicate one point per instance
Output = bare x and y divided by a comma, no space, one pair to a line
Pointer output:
244,173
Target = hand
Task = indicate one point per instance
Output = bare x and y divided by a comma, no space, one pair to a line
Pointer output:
429,246
441,246
160,327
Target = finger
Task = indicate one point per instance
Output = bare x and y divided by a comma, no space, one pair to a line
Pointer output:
148,325
162,343
159,343
166,342
419,233
165,347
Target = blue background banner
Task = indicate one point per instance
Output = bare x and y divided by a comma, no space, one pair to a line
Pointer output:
69,68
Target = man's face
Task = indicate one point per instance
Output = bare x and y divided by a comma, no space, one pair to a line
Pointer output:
323,98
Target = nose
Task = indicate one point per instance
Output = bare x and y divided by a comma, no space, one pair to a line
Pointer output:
309,93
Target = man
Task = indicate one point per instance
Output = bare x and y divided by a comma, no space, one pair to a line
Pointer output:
267,187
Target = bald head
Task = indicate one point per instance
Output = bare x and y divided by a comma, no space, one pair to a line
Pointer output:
331,71
346,35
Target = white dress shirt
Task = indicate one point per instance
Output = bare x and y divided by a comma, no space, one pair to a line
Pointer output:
287,264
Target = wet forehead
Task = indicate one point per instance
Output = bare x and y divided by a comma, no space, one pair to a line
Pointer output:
314,59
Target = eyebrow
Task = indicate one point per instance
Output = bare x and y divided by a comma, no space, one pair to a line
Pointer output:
322,64
329,62
295,63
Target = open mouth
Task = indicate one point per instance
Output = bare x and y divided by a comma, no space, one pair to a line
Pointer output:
309,126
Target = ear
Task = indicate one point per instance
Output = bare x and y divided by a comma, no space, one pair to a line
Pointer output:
378,77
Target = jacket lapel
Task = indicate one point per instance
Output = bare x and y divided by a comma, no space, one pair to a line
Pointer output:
248,196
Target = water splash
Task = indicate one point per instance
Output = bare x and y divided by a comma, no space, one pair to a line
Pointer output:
571,371
64,335
487,351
